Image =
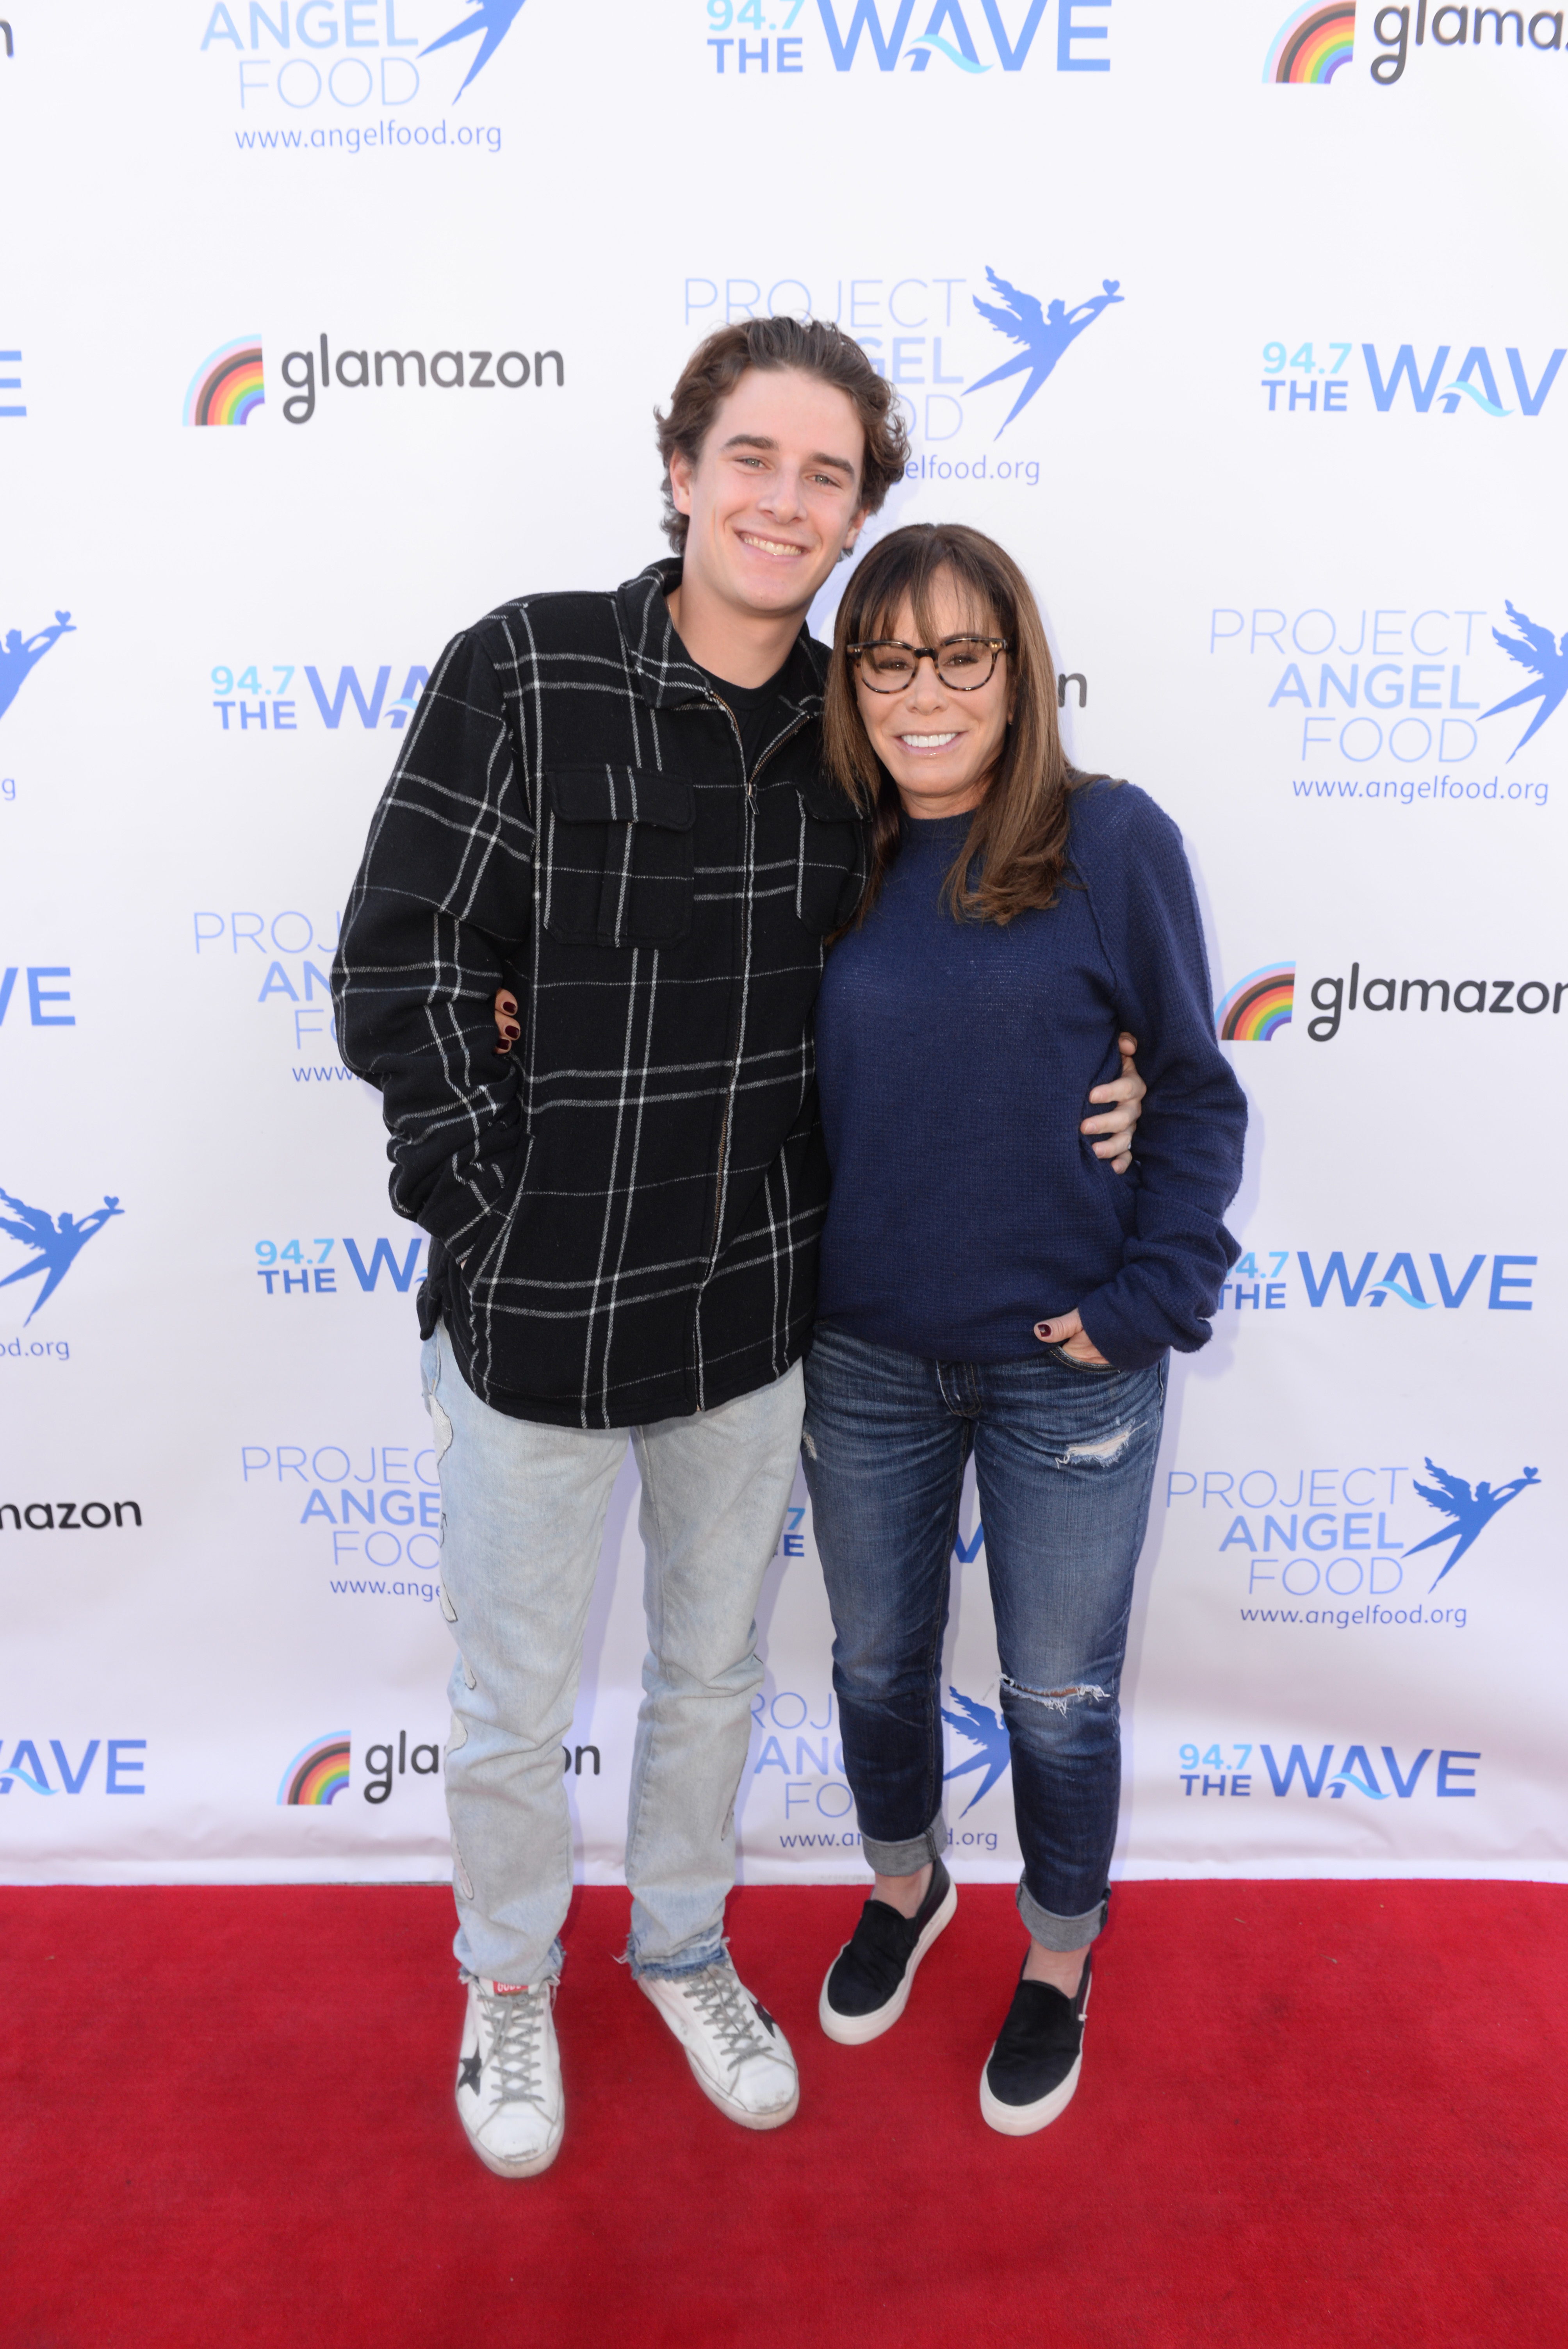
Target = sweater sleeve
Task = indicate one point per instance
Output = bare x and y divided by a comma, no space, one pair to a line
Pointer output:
440,908
1188,1146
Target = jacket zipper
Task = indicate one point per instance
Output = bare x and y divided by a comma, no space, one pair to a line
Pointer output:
739,1042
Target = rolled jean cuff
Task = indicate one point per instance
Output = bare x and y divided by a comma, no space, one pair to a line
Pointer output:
1061,1932
907,1858
684,1961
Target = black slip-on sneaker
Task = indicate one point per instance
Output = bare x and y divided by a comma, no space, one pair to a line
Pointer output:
1033,2069
869,1982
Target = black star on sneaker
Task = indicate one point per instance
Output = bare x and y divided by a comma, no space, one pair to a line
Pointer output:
869,1982
469,2071
1033,2069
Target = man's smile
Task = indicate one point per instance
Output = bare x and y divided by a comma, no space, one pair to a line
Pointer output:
768,546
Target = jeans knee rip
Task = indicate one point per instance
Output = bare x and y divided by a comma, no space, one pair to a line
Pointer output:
1057,1699
1102,1453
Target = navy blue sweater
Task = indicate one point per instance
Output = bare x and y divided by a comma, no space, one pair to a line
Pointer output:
954,1062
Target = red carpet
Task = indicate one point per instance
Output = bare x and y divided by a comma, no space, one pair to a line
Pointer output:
1310,2114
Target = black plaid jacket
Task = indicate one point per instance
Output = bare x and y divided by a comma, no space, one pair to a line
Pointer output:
636,1193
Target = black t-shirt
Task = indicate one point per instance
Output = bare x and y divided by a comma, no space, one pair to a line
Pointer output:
755,709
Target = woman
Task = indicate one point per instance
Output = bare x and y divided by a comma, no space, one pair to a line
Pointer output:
988,1284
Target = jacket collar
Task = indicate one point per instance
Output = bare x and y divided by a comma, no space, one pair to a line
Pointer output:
665,670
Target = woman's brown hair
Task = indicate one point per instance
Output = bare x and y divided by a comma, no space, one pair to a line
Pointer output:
1019,831
717,366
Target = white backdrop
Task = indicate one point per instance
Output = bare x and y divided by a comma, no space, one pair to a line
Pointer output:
1277,559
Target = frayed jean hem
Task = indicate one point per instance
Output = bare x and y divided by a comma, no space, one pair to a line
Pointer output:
688,1961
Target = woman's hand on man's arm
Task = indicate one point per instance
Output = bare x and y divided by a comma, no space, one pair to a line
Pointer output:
1116,1124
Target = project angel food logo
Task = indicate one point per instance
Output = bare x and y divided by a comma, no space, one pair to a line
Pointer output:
21,654
52,1242
796,1740
282,964
977,1726
1330,1549
369,1517
933,338
350,75
1410,705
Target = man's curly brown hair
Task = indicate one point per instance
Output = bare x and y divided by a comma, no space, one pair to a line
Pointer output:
717,366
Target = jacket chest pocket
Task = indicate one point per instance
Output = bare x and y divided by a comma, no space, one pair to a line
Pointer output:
831,860
617,856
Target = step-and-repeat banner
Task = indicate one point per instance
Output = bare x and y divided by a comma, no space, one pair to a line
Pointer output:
325,326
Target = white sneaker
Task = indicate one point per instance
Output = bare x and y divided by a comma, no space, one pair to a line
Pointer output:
508,2077
739,2054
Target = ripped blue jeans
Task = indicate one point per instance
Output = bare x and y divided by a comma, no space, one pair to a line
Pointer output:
1063,1461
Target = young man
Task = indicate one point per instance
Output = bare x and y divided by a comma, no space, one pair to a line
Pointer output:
611,805
609,810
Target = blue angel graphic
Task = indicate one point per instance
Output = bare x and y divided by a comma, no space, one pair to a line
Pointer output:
980,1725
1045,334
1546,658
57,1245
1471,1512
17,657
494,19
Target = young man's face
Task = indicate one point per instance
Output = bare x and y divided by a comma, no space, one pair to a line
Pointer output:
775,496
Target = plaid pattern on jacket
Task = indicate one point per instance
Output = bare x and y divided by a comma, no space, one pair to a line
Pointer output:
636,1193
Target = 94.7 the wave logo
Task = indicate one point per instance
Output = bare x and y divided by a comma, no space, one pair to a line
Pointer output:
293,1270
276,703
785,37
1228,1772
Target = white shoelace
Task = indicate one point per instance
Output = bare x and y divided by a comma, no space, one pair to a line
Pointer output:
724,2006
516,2025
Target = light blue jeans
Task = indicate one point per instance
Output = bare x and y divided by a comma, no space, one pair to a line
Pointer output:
524,1507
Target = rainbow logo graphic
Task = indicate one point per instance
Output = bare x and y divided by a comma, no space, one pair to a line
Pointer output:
1312,44
319,1771
1258,1006
227,388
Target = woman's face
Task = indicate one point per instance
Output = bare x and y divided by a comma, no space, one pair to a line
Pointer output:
940,746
